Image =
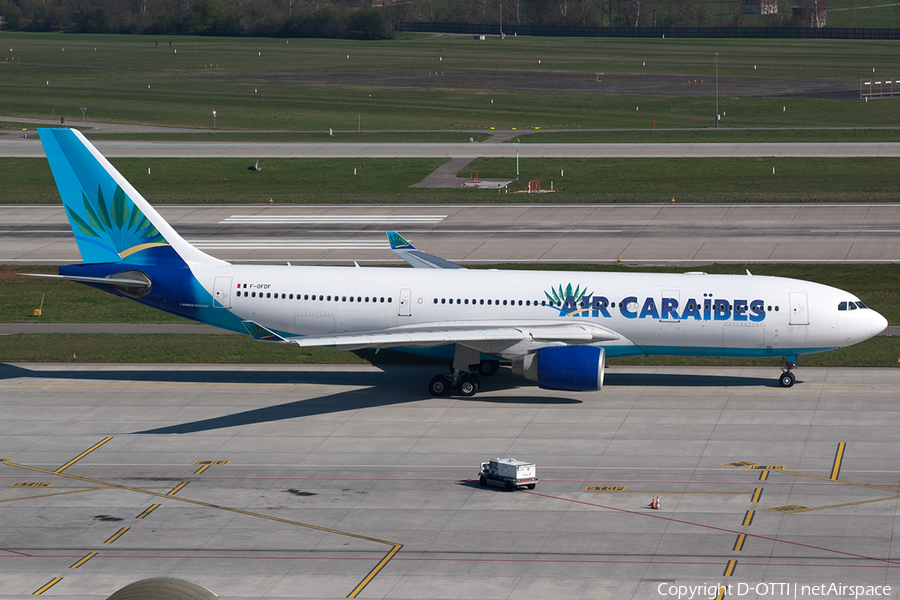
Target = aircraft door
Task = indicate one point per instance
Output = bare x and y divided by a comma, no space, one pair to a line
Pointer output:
799,309
671,299
222,292
405,303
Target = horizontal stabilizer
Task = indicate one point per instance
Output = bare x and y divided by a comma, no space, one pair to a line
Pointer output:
417,258
261,334
131,283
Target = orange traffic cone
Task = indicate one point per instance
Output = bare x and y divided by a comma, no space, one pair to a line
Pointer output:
654,504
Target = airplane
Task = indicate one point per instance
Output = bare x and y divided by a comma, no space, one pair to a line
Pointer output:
556,328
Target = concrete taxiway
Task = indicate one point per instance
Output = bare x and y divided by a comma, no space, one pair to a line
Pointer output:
345,481
472,234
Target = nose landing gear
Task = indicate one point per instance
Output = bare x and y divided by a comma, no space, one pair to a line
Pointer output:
787,378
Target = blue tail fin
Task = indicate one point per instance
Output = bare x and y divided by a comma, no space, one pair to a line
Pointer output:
111,221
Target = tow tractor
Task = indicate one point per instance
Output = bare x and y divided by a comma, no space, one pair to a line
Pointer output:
508,473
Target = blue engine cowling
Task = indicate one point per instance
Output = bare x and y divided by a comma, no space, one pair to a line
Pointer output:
569,368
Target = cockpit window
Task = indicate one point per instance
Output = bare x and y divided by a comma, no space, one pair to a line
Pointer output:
851,305
842,306
861,305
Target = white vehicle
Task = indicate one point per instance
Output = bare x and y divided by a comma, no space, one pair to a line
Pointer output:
508,473
556,328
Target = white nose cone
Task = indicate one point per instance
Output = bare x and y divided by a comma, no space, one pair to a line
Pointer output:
877,323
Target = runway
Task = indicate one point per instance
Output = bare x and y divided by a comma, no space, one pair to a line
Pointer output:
473,234
31,148
345,481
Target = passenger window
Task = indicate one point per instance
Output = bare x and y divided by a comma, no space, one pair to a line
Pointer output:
481,301
467,301
504,303
389,299
489,302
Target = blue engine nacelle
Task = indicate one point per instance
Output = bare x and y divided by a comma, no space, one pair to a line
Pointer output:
569,368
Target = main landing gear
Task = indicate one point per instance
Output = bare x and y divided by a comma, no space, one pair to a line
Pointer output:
466,383
787,378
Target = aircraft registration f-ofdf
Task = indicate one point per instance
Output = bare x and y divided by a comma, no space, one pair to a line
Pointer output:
557,328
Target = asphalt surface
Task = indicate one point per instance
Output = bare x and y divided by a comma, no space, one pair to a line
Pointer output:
472,234
20,147
299,482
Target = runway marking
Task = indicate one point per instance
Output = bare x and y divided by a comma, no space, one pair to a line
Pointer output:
649,515
82,455
283,219
47,586
368,578
148,511
83,560
729,569
201,469
78,491
211,462
739,542
721,593
31,484
798,509
621,490
865,485
291,245
764,475
395,547
748,518
178,488
838,459
117,535
757,494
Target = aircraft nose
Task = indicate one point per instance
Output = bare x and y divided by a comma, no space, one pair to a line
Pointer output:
877,323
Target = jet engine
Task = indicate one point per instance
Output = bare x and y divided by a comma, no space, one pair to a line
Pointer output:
569,368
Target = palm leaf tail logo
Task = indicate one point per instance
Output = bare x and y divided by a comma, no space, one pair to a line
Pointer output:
82,225
102,210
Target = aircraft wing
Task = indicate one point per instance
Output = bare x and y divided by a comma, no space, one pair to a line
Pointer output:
417,258
426,335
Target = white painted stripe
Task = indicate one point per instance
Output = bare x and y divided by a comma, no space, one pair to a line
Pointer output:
319,219
854,230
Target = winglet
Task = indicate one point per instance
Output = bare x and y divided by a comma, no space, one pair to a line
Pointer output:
398,242
417,258
261,334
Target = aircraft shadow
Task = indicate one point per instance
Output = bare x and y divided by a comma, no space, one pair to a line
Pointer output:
687,380
392,386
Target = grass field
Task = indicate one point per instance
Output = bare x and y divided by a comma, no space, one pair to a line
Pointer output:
420,82
387,180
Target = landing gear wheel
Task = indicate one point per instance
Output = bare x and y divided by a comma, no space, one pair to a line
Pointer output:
469,386
488,368
439,386
482,481
787,379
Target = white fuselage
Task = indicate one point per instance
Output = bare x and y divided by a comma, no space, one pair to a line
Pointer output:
726,315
